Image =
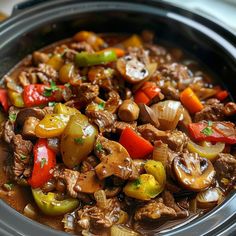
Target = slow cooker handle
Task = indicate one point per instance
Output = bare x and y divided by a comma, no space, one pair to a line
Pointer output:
24,5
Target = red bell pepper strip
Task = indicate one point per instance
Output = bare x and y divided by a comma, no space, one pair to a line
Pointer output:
222,95
44,162
40,94
4,99
146,93
136,146
213,132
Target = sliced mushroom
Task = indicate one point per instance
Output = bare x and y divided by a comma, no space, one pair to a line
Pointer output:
115,160
29,112
193,172
132,69
148,115
29,127
88,182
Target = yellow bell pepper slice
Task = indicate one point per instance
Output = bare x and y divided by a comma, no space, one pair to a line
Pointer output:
133,41
56,62
156,169
52,125
145,187
60,108
16,98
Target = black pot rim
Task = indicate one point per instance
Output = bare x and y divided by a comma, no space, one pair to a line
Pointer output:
222,219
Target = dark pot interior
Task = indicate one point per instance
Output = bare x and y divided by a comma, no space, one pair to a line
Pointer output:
43,24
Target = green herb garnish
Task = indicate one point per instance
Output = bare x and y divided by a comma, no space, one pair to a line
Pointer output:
8,186
43,162
208,130
79,140
99,147
51,104
137,183
101,106
12,117
22,157
49,90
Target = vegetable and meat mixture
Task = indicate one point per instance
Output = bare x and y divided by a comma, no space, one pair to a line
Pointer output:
114,135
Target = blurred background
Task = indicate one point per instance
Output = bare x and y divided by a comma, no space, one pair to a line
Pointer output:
223,11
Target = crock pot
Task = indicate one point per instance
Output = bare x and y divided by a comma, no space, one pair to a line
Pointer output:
35,24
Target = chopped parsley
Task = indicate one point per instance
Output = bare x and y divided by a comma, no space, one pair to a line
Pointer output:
137,183
51,104
79,140
12,117
208,130
99,147
101,106
49,90
8,186
22,157
43,162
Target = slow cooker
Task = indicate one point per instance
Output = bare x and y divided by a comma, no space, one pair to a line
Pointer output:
35,24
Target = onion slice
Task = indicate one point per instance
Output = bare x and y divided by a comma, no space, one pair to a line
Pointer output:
160,152
118,230
210,152
169,113
209,198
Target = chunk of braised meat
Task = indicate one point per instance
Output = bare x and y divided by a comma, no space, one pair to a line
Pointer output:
97,217
115,160
119,126
178,74
170,202
87,92
40,57
225,167
102,77
213,112
68,177
7,131
154,210
21,163
151,133
81,46
102,118
158,54
113,101
176,140
170,92
44,73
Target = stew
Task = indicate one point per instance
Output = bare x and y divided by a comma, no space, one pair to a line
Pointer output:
114,135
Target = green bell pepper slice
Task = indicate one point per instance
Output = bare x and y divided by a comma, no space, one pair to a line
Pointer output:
49,205
97,58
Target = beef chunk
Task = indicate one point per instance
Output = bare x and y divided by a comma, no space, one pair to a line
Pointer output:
151,133
81,46
213,112
225,167
69,177
170,202
21,163
95,216
119,126
176,140
170,92
153,210
102,118
87,92
8,131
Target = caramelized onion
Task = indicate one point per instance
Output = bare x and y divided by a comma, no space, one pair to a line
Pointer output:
118,230
100,197
160,152
209,198
29,211
169,113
